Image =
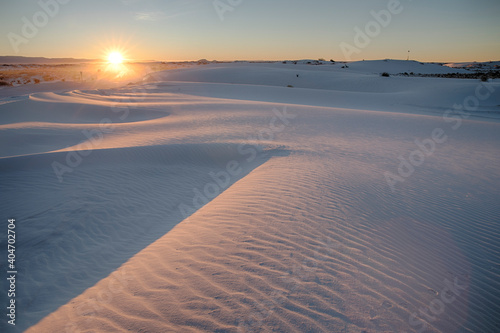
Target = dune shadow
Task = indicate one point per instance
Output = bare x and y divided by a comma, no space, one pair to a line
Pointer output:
24,141
77,109
75,232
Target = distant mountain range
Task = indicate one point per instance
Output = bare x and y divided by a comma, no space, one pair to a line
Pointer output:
41,60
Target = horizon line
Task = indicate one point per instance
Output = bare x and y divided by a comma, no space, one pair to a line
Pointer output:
241,60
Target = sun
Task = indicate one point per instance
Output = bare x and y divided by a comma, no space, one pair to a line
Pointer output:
115,58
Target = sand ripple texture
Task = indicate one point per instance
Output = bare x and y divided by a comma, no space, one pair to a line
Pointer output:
151,232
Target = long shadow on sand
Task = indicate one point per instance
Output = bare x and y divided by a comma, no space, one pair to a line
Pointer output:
75,232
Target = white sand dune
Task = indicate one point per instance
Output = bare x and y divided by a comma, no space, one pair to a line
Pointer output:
217,199
357,87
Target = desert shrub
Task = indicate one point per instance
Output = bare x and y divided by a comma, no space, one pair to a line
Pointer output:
36,81
321,59
289,86
5,83
484,78
332,61
385,74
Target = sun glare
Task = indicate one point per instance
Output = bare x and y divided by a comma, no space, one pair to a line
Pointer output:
116,61
115,58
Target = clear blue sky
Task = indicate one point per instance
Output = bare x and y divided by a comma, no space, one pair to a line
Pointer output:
434,30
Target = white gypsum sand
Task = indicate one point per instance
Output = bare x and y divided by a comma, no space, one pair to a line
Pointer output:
218,199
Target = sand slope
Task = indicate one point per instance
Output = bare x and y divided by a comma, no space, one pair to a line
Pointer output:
203,213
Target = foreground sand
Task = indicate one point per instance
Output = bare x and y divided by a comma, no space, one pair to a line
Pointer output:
200,208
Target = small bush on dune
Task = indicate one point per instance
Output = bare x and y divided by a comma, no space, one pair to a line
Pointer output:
5,83
385,74
484,78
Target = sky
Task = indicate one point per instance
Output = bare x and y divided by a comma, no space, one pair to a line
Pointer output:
175,30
